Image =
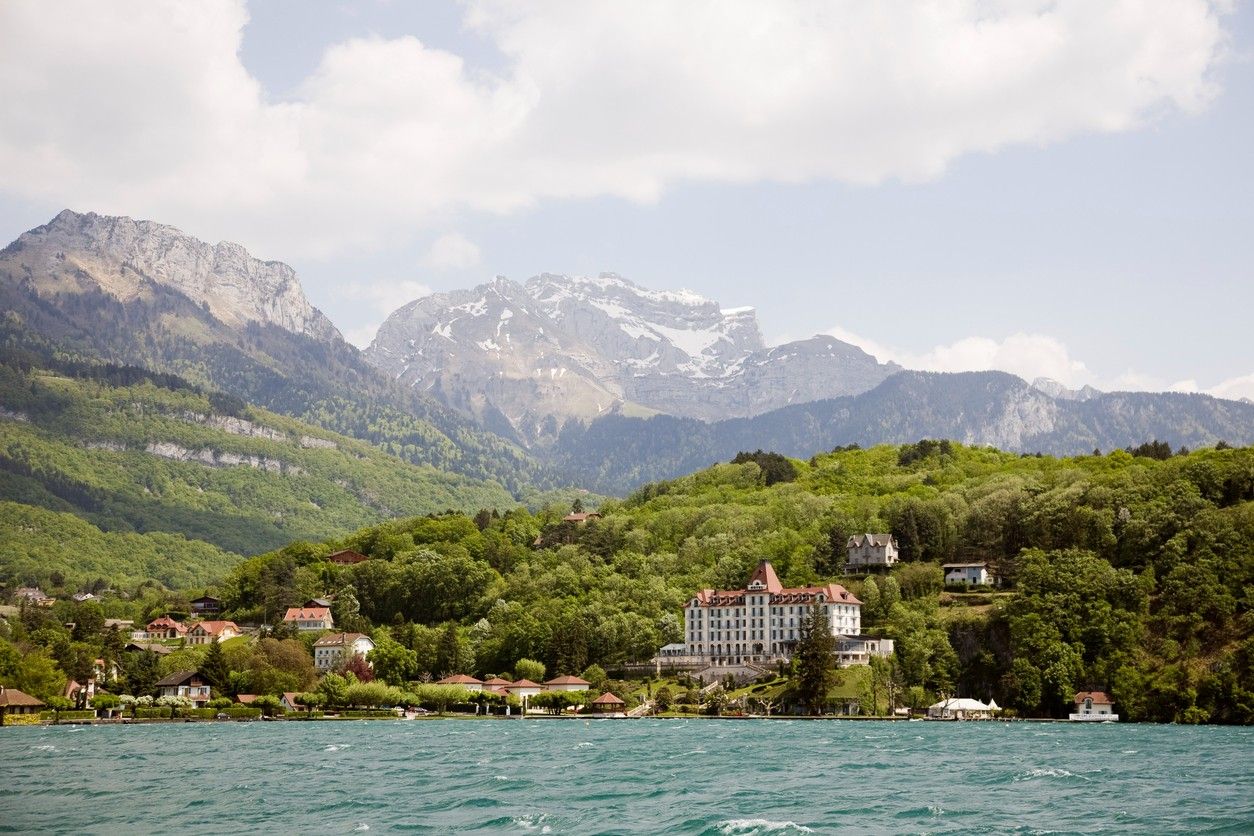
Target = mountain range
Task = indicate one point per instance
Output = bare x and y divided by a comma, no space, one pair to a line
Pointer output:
594,381
518,356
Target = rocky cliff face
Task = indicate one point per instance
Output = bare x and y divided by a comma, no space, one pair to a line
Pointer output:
572,346
121,256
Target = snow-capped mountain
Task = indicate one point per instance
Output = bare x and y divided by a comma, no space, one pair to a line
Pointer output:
572,346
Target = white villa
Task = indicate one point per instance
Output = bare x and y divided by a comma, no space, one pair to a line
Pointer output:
971,574
762,622
204,632
334,648
1094,706
871,550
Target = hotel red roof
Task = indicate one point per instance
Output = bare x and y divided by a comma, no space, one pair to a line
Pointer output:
567,680
165,622
308,614
765,580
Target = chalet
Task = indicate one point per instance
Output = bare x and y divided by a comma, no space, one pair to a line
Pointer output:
970,574
462,680
871,550
1094,706
82,597
206,605
288,701
567,683
246,699
165,628
15,702
334,649
317,602
309,619
188,684
347,557
581,516
608,703
204,632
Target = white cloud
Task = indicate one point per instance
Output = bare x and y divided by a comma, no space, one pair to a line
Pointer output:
452,251
142,107
1027,355
1031,356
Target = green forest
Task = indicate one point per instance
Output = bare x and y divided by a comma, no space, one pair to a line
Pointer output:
1130,571
128,450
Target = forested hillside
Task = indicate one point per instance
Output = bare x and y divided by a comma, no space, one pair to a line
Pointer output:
1125,572
128,450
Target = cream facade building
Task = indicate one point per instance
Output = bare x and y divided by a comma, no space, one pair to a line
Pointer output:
762,622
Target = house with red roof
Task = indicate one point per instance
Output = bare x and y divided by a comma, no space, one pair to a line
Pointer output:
204,632
761,623
347,557
165,628
462,680
567,683
1094,706
524,690
309,619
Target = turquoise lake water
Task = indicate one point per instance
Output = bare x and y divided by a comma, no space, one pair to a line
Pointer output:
605,776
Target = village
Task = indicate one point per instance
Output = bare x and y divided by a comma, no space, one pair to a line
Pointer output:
733,663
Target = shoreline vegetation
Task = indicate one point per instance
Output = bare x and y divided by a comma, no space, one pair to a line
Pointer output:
1128,573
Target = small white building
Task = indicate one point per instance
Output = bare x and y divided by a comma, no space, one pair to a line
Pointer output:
524,690
960,709
871,550
1094,706
971,574
335,648
309,619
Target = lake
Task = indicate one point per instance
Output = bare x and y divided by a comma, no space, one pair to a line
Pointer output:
648,776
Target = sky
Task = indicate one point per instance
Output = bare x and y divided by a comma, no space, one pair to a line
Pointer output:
1058,188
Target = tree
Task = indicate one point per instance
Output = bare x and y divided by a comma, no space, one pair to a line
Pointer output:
596,677
392,661
214,668
450,657
663,699
576,507
269,704
58,704
529,669
814,660
309,700
105,702
334,689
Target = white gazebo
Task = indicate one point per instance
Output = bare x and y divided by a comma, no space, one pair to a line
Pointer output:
960,708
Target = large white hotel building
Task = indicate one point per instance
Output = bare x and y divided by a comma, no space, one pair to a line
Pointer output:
762,622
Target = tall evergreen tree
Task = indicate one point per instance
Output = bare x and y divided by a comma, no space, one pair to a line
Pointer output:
815,661
214,668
